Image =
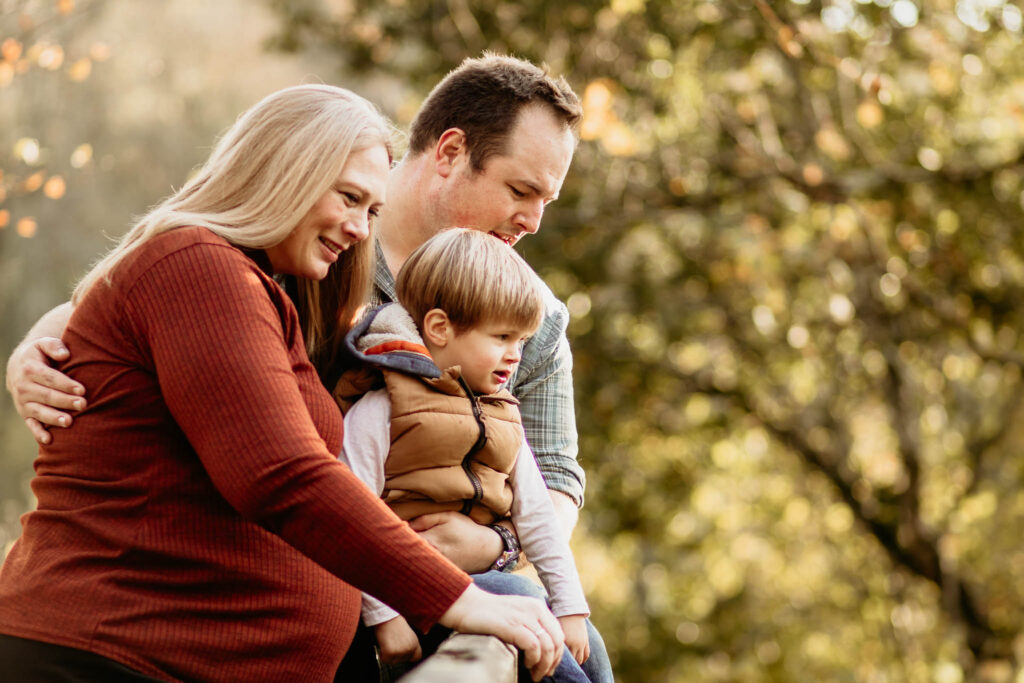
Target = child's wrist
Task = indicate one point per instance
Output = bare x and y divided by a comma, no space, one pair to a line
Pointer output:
509,557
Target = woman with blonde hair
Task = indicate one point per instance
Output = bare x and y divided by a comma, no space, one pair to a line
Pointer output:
194,522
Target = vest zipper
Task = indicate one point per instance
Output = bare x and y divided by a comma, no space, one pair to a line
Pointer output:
481,441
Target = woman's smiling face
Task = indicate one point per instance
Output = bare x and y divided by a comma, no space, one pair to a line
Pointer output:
338,220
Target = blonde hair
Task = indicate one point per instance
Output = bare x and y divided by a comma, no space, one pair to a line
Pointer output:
474,278
265,174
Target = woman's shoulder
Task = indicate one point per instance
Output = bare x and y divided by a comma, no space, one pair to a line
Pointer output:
185,249
178,239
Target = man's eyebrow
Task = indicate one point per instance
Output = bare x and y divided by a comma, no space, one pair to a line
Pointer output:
537,190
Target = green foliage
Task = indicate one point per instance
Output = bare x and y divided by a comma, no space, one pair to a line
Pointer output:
790,243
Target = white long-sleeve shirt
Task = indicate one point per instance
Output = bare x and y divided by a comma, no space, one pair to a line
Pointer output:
367,441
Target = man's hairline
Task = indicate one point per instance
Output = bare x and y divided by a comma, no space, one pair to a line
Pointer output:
557,113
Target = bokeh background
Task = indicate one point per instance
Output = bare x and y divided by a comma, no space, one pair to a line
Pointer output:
791,243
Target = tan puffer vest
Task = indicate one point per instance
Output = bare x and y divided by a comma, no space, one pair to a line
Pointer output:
439,460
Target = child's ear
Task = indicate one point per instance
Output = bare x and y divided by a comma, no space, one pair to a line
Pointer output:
437,327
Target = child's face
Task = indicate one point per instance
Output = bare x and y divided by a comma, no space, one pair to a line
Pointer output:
487,354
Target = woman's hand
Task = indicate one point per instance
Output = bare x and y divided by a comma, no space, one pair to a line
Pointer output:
397,641
522,621
577,640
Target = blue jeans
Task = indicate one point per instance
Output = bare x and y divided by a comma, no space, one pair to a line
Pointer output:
597,668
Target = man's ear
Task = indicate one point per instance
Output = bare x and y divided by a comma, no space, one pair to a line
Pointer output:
450,146
437,328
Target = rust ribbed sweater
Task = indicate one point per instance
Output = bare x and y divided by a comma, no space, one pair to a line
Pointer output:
193,522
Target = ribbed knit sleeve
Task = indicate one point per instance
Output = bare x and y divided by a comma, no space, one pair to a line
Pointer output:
217,332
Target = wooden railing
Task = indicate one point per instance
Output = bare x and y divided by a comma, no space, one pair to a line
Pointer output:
464,658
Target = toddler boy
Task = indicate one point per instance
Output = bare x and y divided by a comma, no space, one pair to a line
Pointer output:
430,428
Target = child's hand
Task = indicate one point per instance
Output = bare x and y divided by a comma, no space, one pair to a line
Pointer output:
397,641
576,639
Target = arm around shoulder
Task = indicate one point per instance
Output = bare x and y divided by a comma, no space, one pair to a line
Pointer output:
41,394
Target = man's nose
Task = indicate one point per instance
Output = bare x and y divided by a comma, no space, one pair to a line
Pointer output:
529,218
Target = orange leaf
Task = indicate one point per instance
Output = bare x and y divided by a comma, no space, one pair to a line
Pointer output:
81,156
80,70
99,52
55,187
51,57
813,174
26,227
10,49
34,181
869,113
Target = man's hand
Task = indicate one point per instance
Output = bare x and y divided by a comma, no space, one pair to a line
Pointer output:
397,642
41,393
576,639
472,547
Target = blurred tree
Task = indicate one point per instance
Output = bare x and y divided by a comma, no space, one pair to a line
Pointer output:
43,156
33,49
790,243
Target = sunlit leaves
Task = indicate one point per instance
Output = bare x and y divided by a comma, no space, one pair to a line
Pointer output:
601,122
80,69
81,156
36,55
27,149
10,50
49,57
33,182
55,187
26,226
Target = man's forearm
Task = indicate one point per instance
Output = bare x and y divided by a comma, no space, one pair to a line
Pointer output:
39,391
52,323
